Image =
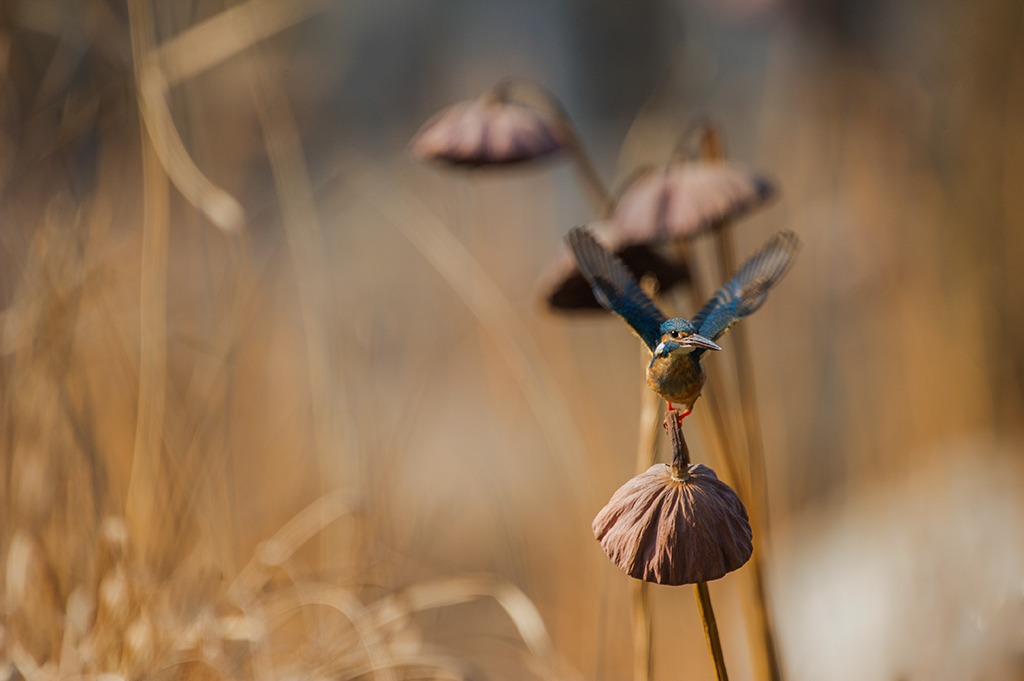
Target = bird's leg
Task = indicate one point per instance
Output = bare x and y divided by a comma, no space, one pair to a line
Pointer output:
680,415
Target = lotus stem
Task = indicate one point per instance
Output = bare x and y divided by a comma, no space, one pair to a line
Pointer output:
681,462
600,197
745,379
586,173
643,661
707,617
711,149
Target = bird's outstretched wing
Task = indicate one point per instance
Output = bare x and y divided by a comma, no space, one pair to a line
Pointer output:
748,289
615,288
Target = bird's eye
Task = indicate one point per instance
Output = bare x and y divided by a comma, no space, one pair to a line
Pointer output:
674,334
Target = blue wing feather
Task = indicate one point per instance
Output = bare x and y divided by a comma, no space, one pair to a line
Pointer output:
615,287
746,292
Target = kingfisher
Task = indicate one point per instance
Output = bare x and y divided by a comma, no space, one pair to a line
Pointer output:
676,345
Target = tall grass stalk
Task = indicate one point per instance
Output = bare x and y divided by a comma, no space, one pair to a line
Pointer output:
218,205
229,33
309,260
142,487
195,50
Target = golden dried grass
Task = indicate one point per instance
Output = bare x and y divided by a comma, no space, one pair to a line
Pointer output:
898,249
90,595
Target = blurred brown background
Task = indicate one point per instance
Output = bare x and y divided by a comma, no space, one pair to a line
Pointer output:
206,385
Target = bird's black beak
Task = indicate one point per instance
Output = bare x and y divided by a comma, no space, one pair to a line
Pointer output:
699,341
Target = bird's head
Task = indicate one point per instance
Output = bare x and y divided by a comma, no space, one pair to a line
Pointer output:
678,336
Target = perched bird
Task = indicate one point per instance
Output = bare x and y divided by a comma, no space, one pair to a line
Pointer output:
677,344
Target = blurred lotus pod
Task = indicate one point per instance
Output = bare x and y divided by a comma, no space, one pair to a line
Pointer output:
680,200
566,289
675,526
492,130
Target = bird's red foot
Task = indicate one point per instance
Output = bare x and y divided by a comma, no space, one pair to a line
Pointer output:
680,415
